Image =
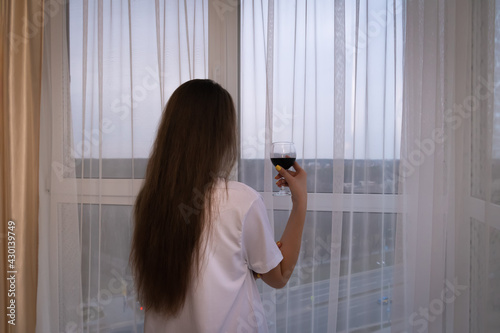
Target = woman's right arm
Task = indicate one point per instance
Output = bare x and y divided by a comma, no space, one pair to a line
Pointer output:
292,236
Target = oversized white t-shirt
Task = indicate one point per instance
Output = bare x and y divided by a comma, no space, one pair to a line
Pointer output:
225,297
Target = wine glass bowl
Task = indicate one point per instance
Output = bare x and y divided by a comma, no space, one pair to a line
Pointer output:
284,155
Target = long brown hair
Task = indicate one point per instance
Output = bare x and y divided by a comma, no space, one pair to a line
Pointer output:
196,144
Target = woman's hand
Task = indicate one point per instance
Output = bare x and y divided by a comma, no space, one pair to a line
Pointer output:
295,180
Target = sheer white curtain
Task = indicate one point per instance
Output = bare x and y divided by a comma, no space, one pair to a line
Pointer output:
327,75
448,247
109,68
426,227
393,106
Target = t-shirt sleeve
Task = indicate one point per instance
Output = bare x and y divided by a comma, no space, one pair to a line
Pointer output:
259,248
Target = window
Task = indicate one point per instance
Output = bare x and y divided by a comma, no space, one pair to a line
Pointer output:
123,71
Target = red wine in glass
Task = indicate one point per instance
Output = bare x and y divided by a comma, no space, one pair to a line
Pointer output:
284,155
284,162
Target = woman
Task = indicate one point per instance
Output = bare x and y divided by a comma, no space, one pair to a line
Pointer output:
200,240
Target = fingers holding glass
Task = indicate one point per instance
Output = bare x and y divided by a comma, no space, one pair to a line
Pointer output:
284,155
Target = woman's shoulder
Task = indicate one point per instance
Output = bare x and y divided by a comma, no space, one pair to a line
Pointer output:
241,187
240,191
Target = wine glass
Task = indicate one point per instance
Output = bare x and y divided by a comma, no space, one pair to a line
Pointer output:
283,154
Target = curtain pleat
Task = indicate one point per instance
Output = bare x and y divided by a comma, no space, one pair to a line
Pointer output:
338,158
21,33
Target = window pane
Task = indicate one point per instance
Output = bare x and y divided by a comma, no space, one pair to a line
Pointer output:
367,253
108,294
307,291
122,71
303,76
367,259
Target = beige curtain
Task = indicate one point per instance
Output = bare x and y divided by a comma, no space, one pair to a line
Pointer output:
21,33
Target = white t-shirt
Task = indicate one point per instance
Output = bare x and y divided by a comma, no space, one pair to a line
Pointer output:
225,297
